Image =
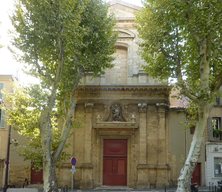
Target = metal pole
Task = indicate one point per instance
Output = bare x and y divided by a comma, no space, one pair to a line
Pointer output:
7,160
72,181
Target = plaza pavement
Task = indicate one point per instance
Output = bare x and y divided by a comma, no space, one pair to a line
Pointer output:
200,189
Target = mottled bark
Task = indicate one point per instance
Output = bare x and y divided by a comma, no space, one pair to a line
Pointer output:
54,183
195,149
45,125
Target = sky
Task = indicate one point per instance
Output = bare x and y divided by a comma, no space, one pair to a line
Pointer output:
8,66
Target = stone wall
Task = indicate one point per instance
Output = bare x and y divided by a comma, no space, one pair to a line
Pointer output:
18,173
142,122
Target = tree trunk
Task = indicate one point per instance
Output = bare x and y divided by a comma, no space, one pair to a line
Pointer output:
45,132
54,186
49,176
195,149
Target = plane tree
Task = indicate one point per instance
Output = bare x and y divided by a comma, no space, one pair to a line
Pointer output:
58,41
182,40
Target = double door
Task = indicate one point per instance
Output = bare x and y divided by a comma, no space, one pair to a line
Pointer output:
115,162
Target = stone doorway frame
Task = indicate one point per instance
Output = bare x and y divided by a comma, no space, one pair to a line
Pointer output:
128,135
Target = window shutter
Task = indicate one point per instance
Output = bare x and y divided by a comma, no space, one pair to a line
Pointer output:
3,117
210,130
1,88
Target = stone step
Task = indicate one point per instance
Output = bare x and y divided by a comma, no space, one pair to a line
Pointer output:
108,187
22,190
37,186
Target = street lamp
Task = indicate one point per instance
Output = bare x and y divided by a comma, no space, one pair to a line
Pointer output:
7,154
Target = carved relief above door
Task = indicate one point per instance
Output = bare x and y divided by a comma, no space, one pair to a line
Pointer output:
115,110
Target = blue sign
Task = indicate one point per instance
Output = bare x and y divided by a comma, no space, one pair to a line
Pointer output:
6,162
73,161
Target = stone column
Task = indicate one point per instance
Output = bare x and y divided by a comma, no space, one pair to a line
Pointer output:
142,182
162,168
87,180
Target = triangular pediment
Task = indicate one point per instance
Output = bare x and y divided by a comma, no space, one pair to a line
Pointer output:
122,9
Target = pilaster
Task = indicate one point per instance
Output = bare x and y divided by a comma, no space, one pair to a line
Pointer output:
162,168
142,132
87,180
142,182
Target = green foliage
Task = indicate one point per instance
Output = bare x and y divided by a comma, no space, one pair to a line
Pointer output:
82,27
58,41
27,105
181,39
178,37
191,115
182,159
217,131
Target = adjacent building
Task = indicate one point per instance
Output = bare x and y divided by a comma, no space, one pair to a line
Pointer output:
6,83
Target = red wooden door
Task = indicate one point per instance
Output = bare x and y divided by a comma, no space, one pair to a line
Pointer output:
115,162
196,175
36,177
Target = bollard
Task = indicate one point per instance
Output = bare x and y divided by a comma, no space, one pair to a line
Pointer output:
165,188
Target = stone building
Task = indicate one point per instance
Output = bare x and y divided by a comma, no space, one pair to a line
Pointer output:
125,138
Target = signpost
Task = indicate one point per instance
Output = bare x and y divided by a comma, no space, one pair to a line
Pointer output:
73,170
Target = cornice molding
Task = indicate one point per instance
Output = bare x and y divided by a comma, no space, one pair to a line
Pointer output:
123,88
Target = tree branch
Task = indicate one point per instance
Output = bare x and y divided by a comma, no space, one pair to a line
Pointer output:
51,100
192,31
67,123
60,60
218,84
37,64
181,83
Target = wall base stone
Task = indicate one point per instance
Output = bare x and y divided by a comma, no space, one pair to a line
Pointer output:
143,185
86,184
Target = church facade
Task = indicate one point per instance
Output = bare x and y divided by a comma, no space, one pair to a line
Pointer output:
124,140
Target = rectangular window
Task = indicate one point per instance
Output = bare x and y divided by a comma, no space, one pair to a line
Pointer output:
192,130
217,166
1,88
2,118
216,127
